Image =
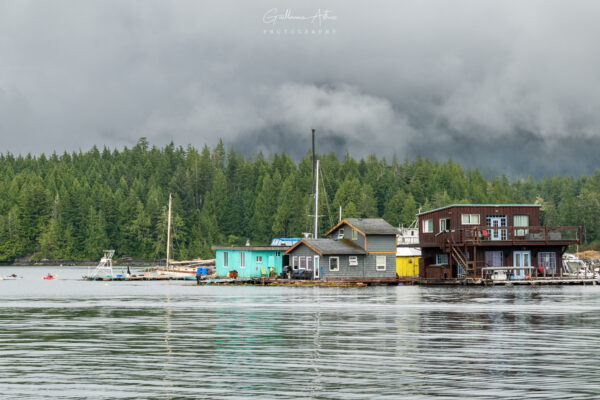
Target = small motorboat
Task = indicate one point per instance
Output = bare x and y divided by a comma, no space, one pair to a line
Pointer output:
49,276
12,277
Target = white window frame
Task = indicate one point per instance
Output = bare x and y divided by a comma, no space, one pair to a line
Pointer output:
428,225
337,260
341,233
277,254
302,263
469,219
309,263
380,263
258,259
225,259
446,224
295,263
521,232
354,234
441,255
242,260
551,257
353,261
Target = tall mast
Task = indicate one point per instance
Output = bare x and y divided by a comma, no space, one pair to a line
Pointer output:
316,199
313,161
169,233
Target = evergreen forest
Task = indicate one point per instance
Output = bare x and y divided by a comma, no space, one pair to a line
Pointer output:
74,205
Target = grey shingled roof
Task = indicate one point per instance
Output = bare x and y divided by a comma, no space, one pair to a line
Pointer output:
373,226
331,246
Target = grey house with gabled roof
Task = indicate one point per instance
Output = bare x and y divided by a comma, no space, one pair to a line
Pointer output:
356,248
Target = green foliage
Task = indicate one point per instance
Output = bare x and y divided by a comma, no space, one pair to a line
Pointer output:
72,206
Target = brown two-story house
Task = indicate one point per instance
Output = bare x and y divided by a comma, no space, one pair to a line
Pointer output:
472,240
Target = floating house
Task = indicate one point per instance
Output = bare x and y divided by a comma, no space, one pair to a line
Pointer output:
503,241
356,249
249,261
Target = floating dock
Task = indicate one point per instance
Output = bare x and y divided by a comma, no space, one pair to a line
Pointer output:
264,281
520,282
139,278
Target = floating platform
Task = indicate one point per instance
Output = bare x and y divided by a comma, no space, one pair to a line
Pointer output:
519,282
264,281
139,278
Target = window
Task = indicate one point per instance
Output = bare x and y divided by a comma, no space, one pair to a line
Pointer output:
258,259
354,234
226,259
242,260
380,263
295,262
302,261
470,219
277,254
441,258
309,263
494,259
334,263
428,226
521,220
547,260
353,261
444,224
341,233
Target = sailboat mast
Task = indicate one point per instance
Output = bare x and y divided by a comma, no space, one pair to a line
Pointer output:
316,199
169,233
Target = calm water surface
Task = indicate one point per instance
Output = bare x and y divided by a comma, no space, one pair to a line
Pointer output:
71,339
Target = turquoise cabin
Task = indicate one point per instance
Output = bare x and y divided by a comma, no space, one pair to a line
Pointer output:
249,261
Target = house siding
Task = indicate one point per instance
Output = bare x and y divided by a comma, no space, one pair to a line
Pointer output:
390,266
381,243
346,271
455,213
360,240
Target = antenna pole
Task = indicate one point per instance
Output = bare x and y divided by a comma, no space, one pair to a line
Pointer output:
317,200
313,161
169,233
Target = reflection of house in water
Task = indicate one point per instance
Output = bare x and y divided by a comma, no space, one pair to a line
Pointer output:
478,240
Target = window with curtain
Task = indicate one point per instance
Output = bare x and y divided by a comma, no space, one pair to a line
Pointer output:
521,220
547,259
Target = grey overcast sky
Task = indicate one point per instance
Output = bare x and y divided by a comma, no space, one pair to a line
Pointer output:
507,86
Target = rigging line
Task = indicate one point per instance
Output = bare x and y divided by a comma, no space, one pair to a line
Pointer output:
326,197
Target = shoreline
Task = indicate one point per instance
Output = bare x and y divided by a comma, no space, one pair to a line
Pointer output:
75,263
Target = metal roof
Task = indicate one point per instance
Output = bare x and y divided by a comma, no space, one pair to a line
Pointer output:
332,246
251,248
481,205
284,241
373,226
408,252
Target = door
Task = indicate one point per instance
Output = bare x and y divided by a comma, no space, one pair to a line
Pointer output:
497,234
317,268
521,259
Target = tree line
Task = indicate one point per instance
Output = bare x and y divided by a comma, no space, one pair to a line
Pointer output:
74,205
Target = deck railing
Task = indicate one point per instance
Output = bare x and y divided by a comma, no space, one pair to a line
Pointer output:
482,235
